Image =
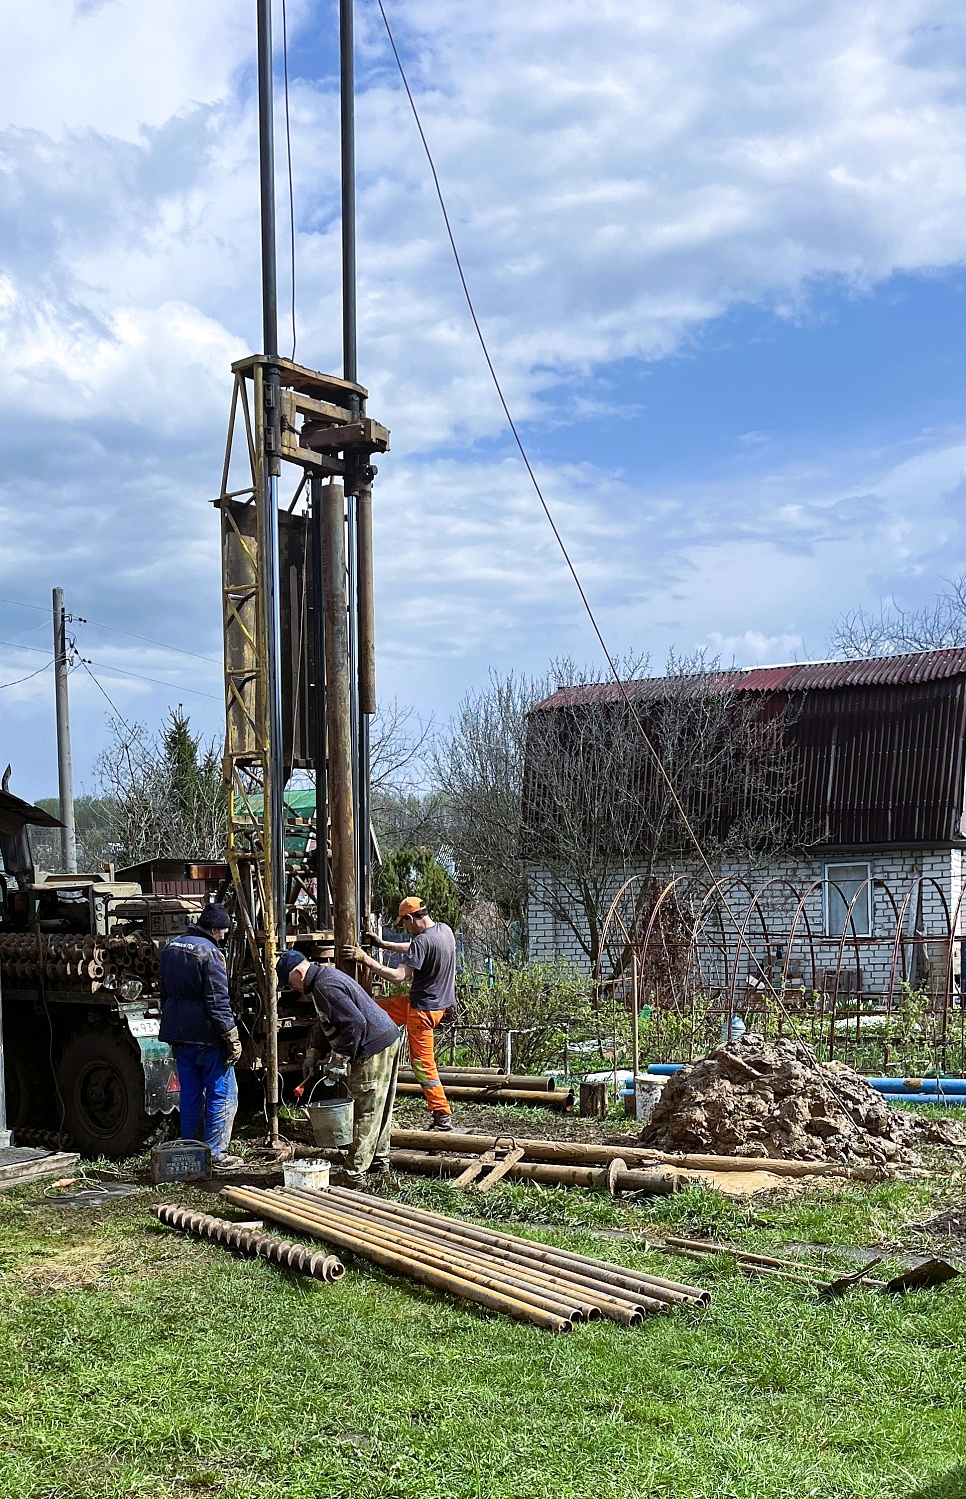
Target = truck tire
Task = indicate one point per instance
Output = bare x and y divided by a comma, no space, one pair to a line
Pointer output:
100,1079
29,1084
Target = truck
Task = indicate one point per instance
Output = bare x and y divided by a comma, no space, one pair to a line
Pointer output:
79,973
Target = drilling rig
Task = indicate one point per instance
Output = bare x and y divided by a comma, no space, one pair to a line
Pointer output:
299,673
297,596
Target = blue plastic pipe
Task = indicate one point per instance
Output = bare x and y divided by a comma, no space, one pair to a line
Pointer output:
951,1085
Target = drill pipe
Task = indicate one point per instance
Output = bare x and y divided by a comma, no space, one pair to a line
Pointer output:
291,1256
558,1099
615,1283
657,1183
593,1298
404,1264
471,1078
577,1152
606,1269
620,1305
476,1266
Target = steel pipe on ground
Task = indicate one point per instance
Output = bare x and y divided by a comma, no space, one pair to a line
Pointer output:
558,1099
528,1283
470,1078
457,1285
605,1269
617,1302
579,1152
220,1231
657,1183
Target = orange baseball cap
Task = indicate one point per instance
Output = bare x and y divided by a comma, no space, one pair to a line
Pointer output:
411,906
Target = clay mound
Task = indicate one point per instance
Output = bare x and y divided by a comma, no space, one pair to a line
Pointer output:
774,1098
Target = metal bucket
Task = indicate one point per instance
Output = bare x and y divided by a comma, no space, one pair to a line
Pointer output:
332,1122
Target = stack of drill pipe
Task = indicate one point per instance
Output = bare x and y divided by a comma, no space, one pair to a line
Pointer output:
583,1153
279,1251
616,1177
481,1092
533,1282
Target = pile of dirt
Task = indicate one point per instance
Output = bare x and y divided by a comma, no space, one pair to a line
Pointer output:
754,1097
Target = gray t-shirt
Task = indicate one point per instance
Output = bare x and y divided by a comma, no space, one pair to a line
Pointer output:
432,957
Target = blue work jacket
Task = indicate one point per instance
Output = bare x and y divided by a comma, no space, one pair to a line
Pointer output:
195,1010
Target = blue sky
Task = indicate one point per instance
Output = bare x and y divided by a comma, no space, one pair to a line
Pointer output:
718,253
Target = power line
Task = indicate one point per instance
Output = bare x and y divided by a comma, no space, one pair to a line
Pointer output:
621,684
30,675
120,671
163,645
288,148
157,682
106,694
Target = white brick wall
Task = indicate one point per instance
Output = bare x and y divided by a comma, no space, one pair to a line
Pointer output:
940,871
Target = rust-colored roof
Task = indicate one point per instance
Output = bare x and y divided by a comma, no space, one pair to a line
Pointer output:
809,676
878,746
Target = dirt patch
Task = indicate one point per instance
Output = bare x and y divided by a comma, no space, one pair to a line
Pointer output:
950,1224
79,1265
774,1099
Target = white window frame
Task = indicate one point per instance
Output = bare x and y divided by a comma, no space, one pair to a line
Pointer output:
830,880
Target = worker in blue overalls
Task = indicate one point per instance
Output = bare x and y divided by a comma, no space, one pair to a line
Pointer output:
197,1022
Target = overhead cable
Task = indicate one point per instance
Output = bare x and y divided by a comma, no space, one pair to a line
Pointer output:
622,687
30,675
164,645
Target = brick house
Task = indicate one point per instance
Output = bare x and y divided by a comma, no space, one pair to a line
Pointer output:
877,818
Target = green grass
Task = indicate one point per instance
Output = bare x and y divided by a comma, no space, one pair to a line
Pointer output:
138,1364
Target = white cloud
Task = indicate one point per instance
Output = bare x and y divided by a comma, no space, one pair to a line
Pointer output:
617,174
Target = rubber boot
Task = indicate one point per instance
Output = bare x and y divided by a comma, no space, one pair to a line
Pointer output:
442,1122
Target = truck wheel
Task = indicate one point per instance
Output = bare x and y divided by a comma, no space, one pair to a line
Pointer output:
101,1082
29,1086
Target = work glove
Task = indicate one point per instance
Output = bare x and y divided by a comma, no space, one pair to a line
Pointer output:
353,954
372,939
233,1046
309,1063
335,1068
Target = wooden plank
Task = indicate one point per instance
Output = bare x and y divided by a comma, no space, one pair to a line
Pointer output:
500,1169
32,1167
292,450
295,403
363,432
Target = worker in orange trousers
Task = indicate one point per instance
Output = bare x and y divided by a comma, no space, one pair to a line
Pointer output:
429,969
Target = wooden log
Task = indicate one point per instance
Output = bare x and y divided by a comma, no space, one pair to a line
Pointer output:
484,1078
593,1100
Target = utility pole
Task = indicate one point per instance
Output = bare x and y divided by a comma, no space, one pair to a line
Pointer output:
65,778
268,467
358,485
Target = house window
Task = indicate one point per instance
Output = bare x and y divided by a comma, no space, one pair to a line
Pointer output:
843,884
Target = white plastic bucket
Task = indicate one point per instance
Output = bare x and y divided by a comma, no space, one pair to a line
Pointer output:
311,1174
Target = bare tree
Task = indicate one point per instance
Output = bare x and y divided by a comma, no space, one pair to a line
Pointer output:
164,794
940,625
478,767
623,781
406,811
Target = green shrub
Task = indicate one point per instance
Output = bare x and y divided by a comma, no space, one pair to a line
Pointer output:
547,1001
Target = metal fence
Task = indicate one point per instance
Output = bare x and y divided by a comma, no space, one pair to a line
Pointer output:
681,959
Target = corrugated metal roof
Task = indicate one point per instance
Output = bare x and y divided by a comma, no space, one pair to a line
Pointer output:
878,747
808,676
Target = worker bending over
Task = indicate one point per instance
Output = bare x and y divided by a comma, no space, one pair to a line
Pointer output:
197,1022
429,969
354,1040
